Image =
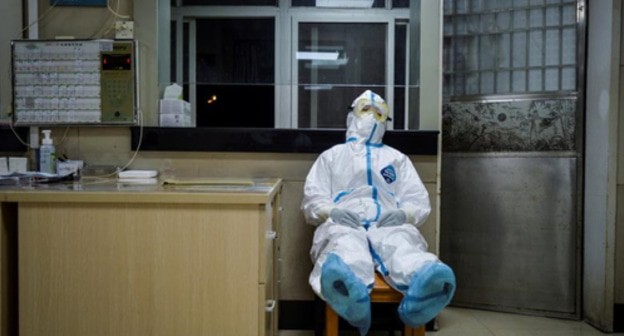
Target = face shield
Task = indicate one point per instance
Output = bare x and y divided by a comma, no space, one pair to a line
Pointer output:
371,103
367,120
379,111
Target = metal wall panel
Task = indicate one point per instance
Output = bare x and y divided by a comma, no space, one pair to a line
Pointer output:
508,230
527,125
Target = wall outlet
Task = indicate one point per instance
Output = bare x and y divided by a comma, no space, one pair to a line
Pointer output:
124,29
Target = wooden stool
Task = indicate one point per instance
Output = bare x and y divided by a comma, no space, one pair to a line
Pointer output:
382,292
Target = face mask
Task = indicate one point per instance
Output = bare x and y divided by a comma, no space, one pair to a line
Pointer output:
365,128
365,124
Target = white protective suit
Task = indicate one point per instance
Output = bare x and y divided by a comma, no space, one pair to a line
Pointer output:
365,176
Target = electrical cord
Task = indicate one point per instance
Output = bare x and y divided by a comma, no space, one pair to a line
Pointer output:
110,9
10,114
112,13
136,152
44,14
104,178
63,139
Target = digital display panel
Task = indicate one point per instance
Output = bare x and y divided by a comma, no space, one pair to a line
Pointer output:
116,62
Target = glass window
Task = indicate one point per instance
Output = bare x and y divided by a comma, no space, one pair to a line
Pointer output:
522,47
229,2
242,65
234,73
337,62
400,75
339,3
400,3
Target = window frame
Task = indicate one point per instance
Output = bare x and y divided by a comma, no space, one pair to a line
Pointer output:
452,35
287,20
340,18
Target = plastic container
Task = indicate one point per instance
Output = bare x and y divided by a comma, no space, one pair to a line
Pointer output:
47,154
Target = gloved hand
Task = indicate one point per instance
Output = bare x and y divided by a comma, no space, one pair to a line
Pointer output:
345,217
392,218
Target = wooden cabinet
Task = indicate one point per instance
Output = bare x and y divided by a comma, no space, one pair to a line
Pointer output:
158,262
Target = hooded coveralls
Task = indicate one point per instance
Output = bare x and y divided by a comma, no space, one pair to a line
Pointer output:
369,178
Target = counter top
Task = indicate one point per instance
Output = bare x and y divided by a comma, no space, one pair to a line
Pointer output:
213,191
270,140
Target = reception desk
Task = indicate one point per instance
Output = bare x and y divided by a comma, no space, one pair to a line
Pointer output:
122,259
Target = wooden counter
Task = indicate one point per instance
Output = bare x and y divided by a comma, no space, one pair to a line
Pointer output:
115,259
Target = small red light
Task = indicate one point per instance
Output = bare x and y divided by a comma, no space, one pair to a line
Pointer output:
128,60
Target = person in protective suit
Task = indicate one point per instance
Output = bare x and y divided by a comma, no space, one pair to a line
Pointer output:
367,201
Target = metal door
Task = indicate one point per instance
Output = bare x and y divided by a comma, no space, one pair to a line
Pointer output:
509,220
511,168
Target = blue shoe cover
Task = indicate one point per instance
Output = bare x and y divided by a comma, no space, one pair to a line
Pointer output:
345,293
429,291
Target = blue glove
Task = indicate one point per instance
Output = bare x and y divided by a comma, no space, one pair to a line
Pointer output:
392,218
345,217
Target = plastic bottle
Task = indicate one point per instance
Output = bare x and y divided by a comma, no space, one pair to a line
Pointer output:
47,154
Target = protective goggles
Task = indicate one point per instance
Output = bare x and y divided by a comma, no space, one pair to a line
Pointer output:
365,106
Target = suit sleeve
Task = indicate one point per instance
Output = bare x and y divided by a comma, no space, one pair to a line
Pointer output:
412,195
317,199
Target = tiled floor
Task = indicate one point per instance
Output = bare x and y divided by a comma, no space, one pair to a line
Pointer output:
468,322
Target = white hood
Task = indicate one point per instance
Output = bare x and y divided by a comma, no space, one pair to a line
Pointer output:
366,129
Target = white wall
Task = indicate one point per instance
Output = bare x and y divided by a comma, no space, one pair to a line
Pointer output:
619,236
602,106
10,28
430,65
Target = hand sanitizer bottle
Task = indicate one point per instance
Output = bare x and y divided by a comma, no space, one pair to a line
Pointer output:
47,154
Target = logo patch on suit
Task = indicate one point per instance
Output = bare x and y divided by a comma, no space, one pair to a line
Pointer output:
388,174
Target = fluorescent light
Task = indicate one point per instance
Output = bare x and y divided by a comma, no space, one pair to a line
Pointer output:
318,87
345,3
317,55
